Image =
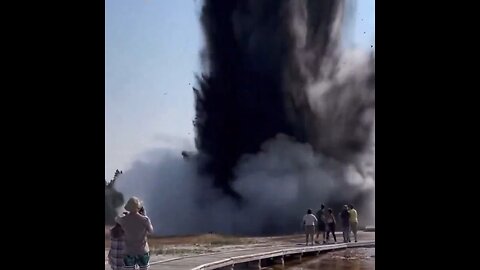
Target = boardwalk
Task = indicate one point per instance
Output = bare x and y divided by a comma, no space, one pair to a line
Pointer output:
290,246
226,259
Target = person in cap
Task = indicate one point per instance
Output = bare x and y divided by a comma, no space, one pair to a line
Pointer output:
136,226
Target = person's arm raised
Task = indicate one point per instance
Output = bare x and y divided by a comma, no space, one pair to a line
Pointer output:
149,225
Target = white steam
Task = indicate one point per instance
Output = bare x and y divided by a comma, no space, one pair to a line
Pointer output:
278,185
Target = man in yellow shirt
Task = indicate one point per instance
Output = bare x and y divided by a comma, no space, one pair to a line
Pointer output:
353,220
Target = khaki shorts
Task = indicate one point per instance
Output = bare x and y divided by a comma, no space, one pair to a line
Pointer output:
310,229
354,226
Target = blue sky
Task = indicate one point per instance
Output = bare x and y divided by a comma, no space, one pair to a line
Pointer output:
151,56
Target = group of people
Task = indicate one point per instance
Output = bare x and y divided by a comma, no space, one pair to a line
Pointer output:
324,223
129,246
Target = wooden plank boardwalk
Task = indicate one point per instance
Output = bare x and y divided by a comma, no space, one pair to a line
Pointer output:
228,260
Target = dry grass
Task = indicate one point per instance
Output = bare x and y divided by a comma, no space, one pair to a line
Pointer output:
203,241
196,244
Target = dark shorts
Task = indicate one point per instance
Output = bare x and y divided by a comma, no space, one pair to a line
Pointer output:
310,229
321,227
140,260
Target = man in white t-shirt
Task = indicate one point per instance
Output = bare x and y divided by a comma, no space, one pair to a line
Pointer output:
309,222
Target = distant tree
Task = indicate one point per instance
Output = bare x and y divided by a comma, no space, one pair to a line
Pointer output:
113,199
115,177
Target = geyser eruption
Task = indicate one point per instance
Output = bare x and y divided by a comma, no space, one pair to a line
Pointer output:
275,67
284,122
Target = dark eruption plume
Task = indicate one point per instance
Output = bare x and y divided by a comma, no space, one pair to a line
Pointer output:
262,60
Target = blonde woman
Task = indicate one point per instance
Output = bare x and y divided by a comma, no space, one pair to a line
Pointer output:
136,226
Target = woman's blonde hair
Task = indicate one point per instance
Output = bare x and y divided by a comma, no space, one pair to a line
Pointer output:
133,205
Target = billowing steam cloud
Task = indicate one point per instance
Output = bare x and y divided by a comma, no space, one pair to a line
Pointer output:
285,121
277,185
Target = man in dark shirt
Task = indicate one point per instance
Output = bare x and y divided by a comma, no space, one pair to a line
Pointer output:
321,223
345,219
